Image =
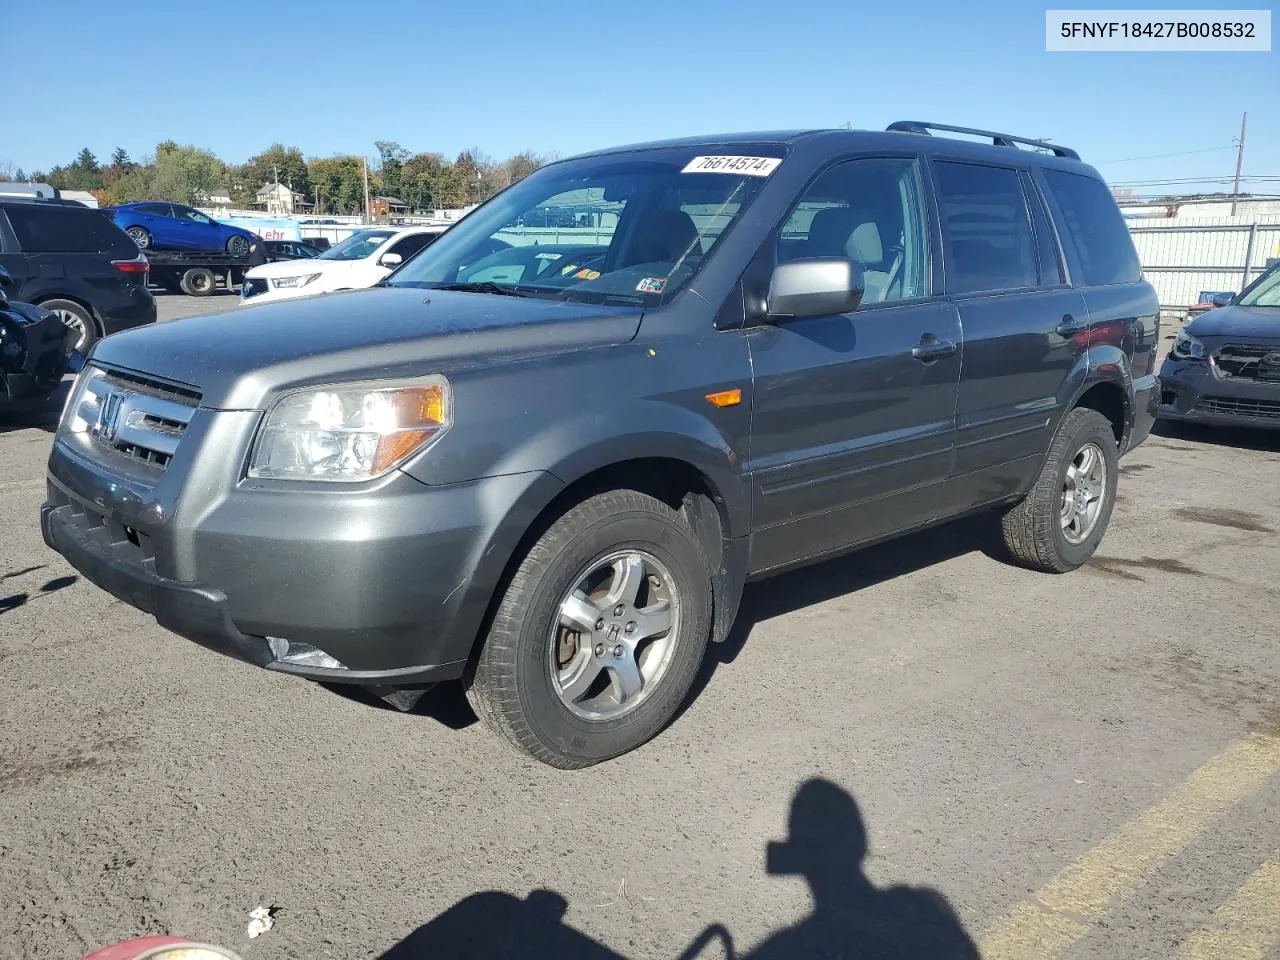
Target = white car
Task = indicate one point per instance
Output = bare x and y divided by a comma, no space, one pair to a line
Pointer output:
361,260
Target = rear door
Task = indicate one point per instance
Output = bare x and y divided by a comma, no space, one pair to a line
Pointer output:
1025,329
853,417
11,256
68,252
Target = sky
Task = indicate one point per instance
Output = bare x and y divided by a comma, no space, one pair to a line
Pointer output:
333,76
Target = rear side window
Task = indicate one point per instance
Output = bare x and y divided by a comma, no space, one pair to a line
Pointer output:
50,229
411,244
1093,226
987,233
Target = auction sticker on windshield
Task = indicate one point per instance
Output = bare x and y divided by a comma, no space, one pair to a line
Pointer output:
751,166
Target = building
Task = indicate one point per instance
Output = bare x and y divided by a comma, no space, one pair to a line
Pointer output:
217,197
277,198
79,196
387,207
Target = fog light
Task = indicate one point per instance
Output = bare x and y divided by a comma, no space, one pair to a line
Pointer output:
302,654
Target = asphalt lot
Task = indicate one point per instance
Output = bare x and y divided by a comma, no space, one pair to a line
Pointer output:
976,757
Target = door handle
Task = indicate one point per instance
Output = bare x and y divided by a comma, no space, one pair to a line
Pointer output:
930,348
1070,326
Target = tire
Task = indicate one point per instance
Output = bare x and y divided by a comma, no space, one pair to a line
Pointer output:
198,282
1042,532
238,247
140,236
77,318
514,685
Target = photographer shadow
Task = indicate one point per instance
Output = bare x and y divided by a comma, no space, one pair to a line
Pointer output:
852,919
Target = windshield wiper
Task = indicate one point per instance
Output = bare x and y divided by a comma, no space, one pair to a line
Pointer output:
484,286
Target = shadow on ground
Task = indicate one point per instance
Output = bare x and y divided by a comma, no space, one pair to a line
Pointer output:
851,917
1245,438
15,600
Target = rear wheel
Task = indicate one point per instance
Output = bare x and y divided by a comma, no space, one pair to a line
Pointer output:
140,236
238,247
1060,523
198,282
599,636
78,320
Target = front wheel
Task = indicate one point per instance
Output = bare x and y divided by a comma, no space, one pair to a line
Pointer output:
600,634
1060,523
238,247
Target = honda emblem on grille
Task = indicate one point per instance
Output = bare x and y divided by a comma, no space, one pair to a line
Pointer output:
108,417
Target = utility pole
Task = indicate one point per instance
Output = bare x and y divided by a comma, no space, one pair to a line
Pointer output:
365,161
1235,190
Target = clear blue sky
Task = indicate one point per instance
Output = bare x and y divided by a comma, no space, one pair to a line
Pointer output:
509,75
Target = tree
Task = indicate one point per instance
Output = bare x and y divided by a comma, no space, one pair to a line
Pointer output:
186,174
390,166
286,163
420,178
120,160
338,183
82,173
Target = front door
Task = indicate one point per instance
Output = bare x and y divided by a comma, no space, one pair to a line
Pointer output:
196,230
853,420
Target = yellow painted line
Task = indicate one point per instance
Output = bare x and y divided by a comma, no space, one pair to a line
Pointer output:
1066,908
1246,926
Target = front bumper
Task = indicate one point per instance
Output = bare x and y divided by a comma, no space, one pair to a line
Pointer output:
1194,391
392,582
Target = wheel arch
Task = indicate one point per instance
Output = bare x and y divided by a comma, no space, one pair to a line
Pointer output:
79,301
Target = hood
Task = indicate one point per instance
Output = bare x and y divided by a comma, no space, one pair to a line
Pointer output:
239,360
1237,323
292,268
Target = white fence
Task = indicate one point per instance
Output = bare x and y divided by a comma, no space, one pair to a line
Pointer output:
1184,259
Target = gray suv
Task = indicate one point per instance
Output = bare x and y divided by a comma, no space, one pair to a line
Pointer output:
548,473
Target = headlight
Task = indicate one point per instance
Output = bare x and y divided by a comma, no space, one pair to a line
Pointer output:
293,283
1187,347
351,431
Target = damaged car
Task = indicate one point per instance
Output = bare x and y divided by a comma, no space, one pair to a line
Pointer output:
34,349
1224,368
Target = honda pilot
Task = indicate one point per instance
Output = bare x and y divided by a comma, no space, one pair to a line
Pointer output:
550,476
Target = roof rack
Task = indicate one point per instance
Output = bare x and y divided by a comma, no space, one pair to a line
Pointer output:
999,139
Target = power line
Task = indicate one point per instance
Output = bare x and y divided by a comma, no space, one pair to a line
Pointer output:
1161,156
1269,178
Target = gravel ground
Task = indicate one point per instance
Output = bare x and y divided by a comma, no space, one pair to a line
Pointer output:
948,732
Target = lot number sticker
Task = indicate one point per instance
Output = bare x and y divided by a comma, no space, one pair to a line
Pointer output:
750,166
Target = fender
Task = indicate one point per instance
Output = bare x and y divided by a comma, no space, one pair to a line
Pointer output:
1106,363
574,446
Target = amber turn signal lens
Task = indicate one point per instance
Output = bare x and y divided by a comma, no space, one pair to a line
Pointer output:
725,398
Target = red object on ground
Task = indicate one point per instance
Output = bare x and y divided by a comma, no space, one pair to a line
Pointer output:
131,949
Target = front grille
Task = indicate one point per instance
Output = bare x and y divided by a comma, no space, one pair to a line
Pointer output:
1242,361
140,417
252,286
1238,407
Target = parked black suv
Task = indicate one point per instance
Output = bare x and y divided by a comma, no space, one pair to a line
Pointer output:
72,260
551,479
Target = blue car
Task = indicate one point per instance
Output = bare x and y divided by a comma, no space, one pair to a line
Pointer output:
157,225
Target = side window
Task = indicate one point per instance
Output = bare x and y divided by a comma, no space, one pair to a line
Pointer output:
1092,222
156,210
187,213
869,211
50,229
986,231
411,245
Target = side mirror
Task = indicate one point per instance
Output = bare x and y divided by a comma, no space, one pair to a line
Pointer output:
815,288
1222,299
391,259
7,287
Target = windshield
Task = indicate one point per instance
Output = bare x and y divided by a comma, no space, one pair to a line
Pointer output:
1265,292
625,228
359,245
